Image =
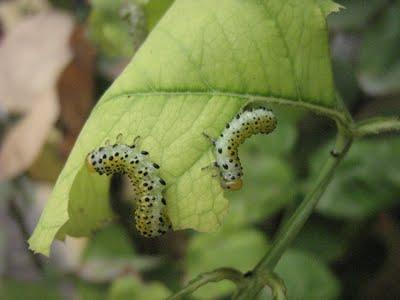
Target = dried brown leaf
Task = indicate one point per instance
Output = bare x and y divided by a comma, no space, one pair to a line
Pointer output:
12,12
32,56
76,87
24,141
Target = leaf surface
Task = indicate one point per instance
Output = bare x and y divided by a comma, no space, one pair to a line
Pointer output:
200,65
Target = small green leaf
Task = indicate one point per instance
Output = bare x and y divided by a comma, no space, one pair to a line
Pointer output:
129,287
200,65
239,249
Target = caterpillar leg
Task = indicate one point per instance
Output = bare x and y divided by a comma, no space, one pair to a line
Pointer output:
119,138
214,165
210,138
211,167
136,141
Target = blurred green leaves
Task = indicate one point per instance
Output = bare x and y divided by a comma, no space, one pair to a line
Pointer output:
110,253
114,35
119,27
377,23
306,277
129,287
239,249
380,55
154,10
112,241
14,290
322,238
356,14
367,181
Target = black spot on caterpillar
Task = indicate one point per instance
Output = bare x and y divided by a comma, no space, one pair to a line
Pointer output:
150,214
242,126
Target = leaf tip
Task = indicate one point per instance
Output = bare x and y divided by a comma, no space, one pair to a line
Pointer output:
36,249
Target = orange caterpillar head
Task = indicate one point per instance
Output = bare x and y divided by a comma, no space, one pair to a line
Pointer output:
232,184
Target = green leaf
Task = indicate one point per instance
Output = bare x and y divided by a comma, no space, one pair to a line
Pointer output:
366,182
129,287
305,277
200,65
240,250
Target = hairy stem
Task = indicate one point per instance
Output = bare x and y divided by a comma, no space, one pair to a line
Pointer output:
377,125
294,224
217,275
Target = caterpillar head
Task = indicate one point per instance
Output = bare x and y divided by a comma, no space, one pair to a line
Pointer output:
90,162
232,184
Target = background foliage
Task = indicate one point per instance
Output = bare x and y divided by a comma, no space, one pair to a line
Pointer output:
346,250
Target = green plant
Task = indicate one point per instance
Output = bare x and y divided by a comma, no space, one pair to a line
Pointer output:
200,65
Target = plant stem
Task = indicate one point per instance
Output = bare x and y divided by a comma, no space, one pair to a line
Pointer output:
217,275
294,224
377,125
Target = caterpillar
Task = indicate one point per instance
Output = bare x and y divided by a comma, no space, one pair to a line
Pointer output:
245,124
150,214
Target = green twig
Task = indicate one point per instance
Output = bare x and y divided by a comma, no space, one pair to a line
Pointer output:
294,224
377,125
217,275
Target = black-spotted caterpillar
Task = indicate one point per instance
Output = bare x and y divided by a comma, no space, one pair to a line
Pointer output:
245,124
150,214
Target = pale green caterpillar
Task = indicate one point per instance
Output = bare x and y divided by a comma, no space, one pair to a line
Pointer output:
150,214
244,125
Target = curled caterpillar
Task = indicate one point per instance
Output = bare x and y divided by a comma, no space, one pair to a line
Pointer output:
245,124
150,214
